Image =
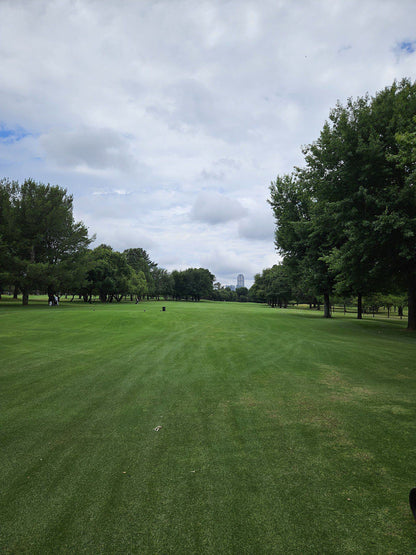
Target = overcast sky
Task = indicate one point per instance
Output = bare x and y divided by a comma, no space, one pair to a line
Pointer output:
168,119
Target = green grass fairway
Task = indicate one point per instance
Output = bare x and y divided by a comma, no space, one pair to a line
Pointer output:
281,432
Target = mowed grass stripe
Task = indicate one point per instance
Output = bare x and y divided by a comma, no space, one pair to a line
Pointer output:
281,432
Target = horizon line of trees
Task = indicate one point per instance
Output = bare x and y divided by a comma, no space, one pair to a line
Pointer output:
346,221
43,250
276,287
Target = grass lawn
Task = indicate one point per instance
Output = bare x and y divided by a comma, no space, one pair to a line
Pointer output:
281,432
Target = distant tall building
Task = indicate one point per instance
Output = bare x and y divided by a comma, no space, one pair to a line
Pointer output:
240,280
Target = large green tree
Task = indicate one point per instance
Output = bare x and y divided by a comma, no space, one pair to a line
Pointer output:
43,236
7,232
358,186
110,276
140,260
361,171
162,282
273,286
302,235
193,283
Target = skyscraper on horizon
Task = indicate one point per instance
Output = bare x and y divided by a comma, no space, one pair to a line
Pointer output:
240,280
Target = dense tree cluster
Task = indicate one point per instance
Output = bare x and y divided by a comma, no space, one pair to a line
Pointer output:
221,293
346,221
278,287
273,286
43,250
40,243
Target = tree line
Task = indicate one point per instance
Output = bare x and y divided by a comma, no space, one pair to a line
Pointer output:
277,287
346,220
43,250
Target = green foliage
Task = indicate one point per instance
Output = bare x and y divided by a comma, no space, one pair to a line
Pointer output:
242,294
110,276
193,283
163,283
39,236
346,223
272,286
302,234
140,261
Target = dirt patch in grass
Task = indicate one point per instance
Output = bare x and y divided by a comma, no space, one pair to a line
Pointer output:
323,421
248,401
332,377
342,391
396,410
272,414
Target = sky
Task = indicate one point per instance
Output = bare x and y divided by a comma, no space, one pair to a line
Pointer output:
167,120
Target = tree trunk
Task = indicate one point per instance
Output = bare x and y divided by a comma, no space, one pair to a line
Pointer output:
327,306
360,306
15,292
411,315
25,298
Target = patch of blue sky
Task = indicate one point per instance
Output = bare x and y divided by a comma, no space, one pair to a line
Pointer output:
12,135
407,46
344,48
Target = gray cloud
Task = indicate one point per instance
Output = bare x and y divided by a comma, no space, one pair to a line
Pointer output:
214,208
89,148
257,226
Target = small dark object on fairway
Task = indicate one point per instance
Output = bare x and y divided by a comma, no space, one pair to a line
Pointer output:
412,501
163,308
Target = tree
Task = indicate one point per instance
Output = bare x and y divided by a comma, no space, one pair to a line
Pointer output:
363,168
139,259
342,164
193,282
7,193
358,187
242,294
402,216
273,286
110,276
163,282
137,284
44,237
302,235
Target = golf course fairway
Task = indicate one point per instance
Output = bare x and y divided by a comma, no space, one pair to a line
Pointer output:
206,428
